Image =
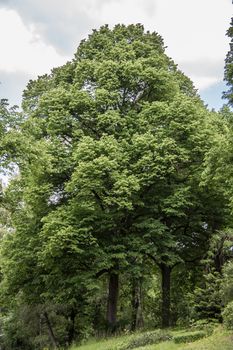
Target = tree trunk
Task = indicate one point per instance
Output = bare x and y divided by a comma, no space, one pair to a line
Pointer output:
50,329
113,291
166,302
137,316
71,329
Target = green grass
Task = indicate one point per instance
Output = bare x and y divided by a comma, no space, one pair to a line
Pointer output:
219,340
107,344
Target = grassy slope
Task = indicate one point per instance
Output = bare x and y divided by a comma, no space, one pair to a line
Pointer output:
220,340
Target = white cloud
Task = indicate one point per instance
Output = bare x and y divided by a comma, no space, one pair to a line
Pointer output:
203,83
194,29
60,24
195,32
12,84
22,50
35,36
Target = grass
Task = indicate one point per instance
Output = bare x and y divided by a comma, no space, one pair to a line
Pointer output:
106,344
219,340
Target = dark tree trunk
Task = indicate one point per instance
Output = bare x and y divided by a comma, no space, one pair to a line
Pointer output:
166,301
113,291
50,329
40,318
137,315
71,329
219,262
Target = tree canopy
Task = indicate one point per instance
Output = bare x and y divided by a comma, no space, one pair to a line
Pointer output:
114,155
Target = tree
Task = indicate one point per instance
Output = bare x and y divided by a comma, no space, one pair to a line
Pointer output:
110,156
228,76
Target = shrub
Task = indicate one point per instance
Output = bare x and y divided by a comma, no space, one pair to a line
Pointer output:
143,339
228,316
205,325
16,334
189,337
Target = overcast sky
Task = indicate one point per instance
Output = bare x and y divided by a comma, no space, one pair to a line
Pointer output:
37,35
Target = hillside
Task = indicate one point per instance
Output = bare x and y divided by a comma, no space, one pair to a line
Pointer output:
220,339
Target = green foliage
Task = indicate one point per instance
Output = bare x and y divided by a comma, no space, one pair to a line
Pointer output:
206,325
189,337
152,301
147,338
207,298
16,333
227,283
10,121
228,315
220,250
183,281
228,76
111,156
26,327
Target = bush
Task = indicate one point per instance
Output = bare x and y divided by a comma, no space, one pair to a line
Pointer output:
25,327
16,334
143,339
227,282
205,325
189,337
228,316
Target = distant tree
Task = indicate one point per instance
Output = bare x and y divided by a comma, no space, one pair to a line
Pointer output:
228,76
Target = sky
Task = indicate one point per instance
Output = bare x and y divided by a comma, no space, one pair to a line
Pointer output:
37,35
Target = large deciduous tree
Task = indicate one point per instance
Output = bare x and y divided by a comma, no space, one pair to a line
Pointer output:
110,156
